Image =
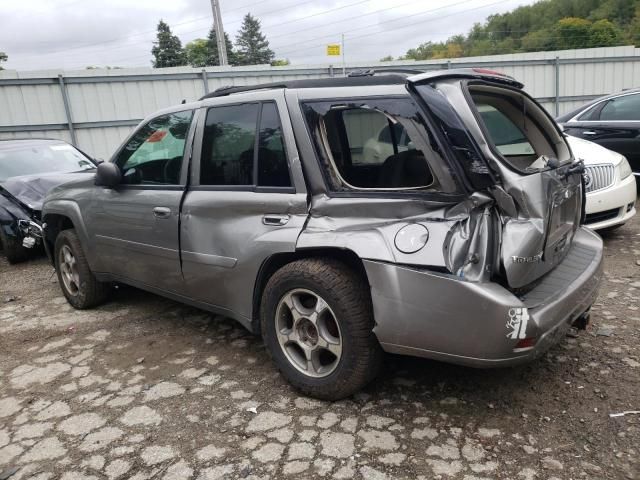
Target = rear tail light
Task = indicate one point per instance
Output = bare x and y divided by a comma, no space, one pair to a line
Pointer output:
486,71
525,344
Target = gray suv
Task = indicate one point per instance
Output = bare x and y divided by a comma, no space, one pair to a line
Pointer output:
454,239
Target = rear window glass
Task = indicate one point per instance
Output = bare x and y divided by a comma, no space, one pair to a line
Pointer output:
378,144
519,129
506,135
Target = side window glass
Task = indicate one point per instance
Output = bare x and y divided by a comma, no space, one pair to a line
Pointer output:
377,144
625,108
273,170
228,145
590,114
154,154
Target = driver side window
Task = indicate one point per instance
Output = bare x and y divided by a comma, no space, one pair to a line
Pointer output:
153,156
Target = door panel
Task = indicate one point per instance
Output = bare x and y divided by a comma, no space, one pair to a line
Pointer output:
132,241
621,137
247,201
135,226
225,241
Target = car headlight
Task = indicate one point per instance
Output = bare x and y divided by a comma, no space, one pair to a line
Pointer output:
624,169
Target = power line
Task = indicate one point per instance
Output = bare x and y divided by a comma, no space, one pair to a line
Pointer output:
347,19
363,27
128,45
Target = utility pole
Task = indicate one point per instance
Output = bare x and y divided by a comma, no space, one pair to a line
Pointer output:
219,29
344,65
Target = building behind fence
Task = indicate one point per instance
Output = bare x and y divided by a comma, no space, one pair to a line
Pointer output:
97,109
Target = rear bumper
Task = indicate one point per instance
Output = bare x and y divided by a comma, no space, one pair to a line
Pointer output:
442,317
611,206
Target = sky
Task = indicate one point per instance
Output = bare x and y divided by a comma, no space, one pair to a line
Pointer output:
73,34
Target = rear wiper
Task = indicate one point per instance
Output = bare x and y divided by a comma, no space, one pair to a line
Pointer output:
575,167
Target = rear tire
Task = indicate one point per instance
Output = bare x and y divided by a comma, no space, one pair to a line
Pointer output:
324,346
76,279
13,249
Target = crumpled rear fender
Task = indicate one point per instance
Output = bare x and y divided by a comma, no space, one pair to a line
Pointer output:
461,236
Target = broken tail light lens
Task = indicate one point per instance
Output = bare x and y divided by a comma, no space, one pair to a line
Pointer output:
525,344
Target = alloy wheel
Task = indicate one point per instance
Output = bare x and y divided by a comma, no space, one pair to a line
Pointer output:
308,333
69,270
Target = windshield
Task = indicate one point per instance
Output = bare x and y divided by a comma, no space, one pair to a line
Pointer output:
41,158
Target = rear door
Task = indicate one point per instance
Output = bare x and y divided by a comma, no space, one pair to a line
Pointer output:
135,225
247,199
614,124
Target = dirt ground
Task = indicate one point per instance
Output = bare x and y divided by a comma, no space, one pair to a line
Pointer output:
146,388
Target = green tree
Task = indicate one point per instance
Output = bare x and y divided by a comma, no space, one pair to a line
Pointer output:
253,47
280,62
167,49
604,34
572,32
3,58
197,52
544,25
214,57
634,28
388,58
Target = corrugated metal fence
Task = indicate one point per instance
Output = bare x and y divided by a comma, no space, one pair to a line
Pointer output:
96,109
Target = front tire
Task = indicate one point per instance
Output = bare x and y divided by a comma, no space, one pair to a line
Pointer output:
12,248
317,322
77,281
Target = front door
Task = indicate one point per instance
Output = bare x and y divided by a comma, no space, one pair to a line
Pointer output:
135,226
247,200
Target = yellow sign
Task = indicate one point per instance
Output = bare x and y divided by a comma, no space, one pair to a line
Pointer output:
333,49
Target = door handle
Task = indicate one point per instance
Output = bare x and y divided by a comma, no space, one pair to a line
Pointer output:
589,132
162,212
277,220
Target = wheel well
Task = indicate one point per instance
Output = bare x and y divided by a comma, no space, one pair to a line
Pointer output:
279,260
55,224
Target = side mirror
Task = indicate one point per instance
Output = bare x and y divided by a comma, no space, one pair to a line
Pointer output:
108,175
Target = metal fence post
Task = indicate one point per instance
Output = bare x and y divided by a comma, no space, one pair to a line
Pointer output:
557,85
67,110
331,70
448,64
205,81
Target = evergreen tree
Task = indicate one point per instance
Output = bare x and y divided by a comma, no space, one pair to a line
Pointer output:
213,58
167,49
253,47
3,58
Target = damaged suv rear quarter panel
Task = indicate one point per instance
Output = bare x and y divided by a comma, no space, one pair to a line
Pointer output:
442,301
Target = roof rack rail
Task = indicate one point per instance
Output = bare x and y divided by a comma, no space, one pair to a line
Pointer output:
370,72
387,78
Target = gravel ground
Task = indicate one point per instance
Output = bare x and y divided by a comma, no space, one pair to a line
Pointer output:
146,388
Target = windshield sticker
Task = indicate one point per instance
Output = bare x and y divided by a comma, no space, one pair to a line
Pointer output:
517,323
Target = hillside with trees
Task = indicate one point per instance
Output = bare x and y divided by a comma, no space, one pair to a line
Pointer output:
545,25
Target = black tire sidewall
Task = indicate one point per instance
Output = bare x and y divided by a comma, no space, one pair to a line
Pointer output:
12,249
69,238
339,379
